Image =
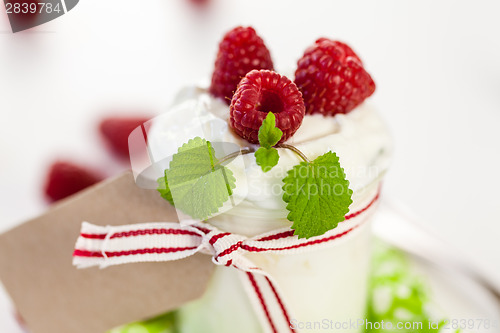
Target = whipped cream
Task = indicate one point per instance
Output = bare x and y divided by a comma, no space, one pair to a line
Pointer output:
359,138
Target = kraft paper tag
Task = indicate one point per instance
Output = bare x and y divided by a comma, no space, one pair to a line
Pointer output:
53,296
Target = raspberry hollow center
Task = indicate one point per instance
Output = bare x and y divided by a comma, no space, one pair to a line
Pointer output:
261,92
270,101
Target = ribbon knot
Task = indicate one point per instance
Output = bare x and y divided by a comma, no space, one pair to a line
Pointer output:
226,247
165,241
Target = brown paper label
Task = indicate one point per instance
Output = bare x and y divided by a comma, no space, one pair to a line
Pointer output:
53,296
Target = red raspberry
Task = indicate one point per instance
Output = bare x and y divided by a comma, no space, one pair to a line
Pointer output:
240,51
332,79
66,178
116,130
24,19
260,92
347,49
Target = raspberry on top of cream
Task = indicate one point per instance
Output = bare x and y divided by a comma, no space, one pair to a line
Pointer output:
319,118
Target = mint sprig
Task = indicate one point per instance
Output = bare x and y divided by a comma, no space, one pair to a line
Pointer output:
195,182
317,195
316,192
269,135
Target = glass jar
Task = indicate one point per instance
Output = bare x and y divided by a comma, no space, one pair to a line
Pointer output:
325,289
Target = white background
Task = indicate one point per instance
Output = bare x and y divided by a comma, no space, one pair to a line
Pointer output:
436,65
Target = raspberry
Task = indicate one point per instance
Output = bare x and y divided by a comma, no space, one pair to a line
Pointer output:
116,130
347,49
332,79
66,178
240,51
22,18
260,92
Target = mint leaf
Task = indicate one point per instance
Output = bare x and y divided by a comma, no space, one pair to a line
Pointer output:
317,195
165,190
195,182
267,158
269,134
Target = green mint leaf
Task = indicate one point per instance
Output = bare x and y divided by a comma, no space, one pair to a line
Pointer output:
195,182
165,190
317,195
267,158
269,134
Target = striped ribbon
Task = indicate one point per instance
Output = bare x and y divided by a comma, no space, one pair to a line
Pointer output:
146,242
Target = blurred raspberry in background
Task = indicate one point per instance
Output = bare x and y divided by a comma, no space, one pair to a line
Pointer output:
66,178
115,132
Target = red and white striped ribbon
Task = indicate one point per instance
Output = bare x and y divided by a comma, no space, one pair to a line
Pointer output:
106,246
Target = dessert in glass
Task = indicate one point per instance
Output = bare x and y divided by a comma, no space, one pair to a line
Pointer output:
323,110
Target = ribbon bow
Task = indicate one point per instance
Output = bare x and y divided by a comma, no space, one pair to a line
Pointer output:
146,242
